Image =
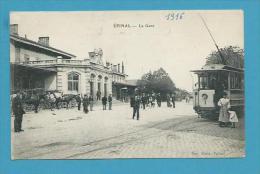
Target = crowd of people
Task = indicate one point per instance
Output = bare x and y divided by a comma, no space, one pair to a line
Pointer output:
144,101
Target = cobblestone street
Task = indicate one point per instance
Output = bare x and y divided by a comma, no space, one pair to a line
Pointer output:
160,133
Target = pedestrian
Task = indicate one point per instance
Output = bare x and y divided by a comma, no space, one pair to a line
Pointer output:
173,100
224,105
85,103
151,101
104,102
187,98
159,100
98,94
136,107
18,111
143,100
78,99
168,98
91,102
147,100
233,118
110,102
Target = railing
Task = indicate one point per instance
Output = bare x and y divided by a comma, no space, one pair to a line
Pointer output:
58,61
40,62
68,62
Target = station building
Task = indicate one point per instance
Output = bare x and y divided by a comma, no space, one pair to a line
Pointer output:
37,65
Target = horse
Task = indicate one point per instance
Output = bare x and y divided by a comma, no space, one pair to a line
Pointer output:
33,99
66,98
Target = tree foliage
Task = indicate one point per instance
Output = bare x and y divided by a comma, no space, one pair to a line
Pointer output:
233,55
157,82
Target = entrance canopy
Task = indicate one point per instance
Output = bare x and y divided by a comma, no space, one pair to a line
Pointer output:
24,77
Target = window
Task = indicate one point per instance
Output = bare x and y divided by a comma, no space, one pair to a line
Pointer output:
203,82
105,86
91,82
235,81
73,82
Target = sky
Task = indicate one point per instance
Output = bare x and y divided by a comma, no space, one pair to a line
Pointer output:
176,44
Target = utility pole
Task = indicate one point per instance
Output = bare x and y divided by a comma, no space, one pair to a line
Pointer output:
220,54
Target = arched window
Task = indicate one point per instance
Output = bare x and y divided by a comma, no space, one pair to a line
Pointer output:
91,83
105,86
99,83
73,81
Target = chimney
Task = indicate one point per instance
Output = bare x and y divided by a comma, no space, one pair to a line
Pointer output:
123,68
14,29
44,41
118,67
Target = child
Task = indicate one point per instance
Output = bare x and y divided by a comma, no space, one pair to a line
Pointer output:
224,105
233,118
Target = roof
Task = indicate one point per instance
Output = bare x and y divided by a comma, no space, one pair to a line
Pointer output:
40,46
127,83
132,82
218,67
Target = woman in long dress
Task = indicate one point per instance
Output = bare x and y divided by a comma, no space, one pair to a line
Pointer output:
224,104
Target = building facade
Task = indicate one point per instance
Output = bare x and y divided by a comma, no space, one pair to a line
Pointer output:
38,65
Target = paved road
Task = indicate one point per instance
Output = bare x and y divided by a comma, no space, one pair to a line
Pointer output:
160,133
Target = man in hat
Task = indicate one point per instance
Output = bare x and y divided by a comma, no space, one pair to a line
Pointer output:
173,100
110,102
18,112
104,102
78,99
91,102
98,94
136,107
85,103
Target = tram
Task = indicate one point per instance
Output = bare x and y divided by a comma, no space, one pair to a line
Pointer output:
213,80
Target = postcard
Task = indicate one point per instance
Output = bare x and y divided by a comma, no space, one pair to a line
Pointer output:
127,84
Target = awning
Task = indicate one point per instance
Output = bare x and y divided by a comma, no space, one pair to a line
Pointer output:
124,84
15,66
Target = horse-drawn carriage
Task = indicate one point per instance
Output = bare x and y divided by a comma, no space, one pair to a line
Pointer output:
37,99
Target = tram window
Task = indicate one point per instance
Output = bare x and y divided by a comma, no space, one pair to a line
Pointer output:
203,82
235,81
212,81
223,80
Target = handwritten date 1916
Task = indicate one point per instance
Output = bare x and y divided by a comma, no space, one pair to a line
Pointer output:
174,16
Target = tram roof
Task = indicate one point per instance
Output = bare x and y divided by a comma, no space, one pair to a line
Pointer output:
218,67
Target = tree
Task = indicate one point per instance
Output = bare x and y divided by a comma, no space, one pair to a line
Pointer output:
157,82
233,56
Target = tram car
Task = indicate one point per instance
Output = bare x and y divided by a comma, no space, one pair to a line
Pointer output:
212,81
